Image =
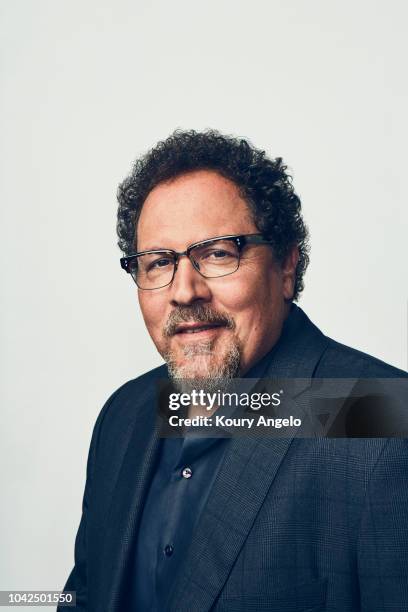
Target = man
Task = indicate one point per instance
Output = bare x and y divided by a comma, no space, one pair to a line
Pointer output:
213,237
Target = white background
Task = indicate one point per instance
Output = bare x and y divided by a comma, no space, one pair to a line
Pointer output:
88,86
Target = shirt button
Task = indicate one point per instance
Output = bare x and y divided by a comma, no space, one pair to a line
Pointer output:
168,550
187,472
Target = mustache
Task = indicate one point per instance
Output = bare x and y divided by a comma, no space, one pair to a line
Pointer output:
198,313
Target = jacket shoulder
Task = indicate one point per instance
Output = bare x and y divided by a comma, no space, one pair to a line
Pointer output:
125,404
137,385
345,361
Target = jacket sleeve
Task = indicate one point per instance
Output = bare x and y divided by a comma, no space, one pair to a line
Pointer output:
383,537
77,580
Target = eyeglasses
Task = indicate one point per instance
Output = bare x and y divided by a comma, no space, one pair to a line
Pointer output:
212,258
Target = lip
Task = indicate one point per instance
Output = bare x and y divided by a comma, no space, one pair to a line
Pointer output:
197,329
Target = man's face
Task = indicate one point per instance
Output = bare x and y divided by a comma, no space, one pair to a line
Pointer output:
218,326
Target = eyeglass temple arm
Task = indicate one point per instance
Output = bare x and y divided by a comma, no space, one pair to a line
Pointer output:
256,239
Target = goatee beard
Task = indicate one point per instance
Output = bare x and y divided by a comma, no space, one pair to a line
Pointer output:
199,373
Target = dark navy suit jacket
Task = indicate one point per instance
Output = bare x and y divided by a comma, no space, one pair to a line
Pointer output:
290,525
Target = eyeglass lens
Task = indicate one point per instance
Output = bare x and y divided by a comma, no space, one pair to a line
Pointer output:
212,259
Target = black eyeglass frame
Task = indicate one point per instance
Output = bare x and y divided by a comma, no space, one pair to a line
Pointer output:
240,240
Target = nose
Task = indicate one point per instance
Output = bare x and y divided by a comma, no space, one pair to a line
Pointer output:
188,285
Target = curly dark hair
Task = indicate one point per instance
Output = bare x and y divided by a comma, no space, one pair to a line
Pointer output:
263,183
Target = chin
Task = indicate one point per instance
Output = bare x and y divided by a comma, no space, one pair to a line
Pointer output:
201,366
198,367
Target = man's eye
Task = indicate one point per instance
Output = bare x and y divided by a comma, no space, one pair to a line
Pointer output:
160,263
217,254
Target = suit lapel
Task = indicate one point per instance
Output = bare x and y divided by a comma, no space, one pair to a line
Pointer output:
127,501
245,477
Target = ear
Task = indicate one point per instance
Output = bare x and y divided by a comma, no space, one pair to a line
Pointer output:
289,273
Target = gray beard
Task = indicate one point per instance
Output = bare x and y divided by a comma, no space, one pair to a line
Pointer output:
212,377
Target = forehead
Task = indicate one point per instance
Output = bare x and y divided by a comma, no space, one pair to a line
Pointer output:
190,208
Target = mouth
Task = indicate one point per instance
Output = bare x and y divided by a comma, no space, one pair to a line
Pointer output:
196,328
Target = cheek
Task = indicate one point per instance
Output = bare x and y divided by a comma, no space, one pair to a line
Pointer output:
251,293
256,304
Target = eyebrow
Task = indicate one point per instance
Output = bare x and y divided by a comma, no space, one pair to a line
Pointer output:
155,248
